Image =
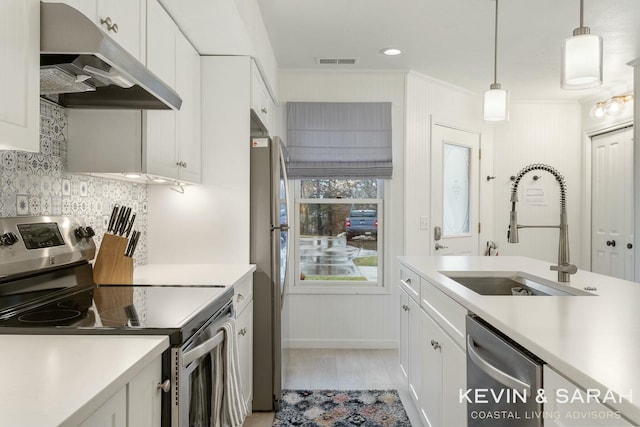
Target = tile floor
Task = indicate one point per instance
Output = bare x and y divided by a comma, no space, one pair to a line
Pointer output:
341,369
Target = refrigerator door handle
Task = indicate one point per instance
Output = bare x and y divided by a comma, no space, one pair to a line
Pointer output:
283,227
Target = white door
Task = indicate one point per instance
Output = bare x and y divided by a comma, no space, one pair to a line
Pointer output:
455,169
612,204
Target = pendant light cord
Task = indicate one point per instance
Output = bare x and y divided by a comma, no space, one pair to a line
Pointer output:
495,48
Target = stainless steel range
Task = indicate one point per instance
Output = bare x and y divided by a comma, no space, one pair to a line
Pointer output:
47,287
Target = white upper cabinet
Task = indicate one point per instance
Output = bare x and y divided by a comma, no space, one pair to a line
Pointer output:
161,43
19,93
173,138
123,20
157,144
261,103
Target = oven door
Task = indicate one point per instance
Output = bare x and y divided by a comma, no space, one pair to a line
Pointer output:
195,375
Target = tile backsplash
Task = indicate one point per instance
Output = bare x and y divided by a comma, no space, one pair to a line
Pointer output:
33,184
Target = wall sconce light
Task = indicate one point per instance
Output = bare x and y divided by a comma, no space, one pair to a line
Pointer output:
581,58
496,99
610,107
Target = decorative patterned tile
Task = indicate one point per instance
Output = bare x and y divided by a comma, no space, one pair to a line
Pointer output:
22,205
45,206
34,205
9,160
36,183
66,187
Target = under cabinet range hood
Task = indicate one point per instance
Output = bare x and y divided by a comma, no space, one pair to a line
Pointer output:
88,69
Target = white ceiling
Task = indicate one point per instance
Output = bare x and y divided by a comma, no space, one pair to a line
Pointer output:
452,40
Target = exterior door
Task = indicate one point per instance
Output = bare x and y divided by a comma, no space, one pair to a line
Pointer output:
612,204
455,170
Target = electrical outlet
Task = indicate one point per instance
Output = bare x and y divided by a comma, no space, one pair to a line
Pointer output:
424,223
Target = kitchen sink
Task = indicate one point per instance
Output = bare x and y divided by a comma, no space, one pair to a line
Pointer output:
514,284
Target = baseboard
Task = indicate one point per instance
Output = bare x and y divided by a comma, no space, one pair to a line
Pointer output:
343,344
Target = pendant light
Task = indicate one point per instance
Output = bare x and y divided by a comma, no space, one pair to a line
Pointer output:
496,99
581,58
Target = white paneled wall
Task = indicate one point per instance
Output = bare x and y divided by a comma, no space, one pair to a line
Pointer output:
431,100
540,133
352,321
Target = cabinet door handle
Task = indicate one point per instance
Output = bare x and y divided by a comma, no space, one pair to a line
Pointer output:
109,24
405,307
611,243
242,331
165,386
264,111
408,281
181,164
435,344
240,297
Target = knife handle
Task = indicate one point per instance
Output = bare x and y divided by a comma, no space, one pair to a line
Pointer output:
125,221
130,226
135,242
113,217
116,226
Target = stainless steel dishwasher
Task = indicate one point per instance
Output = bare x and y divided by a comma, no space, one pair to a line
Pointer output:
503,379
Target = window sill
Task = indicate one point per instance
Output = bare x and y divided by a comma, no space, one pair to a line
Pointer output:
319,289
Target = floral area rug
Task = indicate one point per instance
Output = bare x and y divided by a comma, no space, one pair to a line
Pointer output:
341,408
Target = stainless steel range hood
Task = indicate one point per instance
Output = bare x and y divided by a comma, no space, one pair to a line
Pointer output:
87,69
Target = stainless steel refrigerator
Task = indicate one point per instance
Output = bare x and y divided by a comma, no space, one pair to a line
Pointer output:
269,252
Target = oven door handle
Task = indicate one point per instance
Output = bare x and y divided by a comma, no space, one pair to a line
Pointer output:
495,373
203,349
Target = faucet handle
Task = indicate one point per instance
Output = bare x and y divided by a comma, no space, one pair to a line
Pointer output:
565,268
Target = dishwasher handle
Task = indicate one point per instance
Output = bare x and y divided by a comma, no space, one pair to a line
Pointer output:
495,373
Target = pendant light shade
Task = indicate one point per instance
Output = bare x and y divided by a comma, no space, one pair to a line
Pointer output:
496,99
496,104
581,60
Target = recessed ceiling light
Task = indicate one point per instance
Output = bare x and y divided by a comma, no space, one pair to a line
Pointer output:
392,51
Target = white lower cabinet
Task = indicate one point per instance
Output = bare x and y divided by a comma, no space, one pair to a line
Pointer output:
145,397
243,304
112,414
404,334
443,376
567,405
138,404
433,362
244,329
415,352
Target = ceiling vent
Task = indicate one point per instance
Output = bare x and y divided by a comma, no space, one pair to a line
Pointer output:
336,61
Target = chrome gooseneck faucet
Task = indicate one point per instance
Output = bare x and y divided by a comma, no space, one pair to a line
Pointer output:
564,267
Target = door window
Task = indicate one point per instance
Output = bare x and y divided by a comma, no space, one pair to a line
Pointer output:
455,195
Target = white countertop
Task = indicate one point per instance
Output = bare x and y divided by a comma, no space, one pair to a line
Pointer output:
593,340
59,380
191,274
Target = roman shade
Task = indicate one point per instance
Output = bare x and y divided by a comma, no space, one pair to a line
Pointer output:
339,140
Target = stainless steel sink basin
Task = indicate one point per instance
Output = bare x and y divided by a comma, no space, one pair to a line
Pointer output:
516,284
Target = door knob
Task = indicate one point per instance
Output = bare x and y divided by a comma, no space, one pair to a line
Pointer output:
439,246
629,246
611,243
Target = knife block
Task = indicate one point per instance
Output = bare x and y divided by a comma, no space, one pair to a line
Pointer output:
111,266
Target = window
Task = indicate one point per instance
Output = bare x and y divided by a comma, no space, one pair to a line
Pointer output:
340,229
